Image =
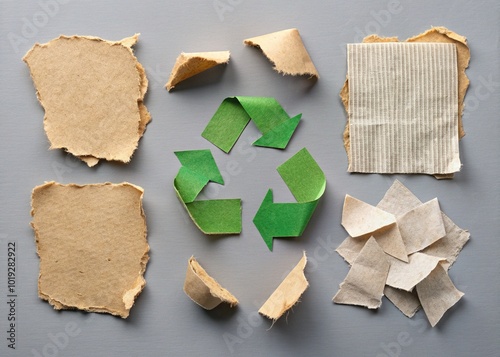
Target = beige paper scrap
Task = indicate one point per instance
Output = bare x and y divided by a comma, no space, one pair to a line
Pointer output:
92,91
203,289
91,240
398,200
364,284
391,242
433,35
360,218
389,239
190,64
288,293
406,301
286,50
437,294
403,108
422,226
405,276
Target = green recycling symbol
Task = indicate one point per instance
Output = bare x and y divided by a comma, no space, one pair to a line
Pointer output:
301,173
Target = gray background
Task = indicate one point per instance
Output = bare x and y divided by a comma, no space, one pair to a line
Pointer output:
164,321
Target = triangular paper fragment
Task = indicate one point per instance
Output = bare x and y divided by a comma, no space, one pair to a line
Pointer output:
391,242
422,226
364,284
360,218
437,294
190,64
286,50
287,293
203,289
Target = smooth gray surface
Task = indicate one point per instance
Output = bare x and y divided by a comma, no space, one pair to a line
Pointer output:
164,321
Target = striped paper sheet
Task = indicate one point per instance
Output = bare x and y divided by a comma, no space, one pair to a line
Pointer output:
403,108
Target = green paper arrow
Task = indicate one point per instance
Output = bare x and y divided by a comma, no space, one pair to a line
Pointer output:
307,182
234,113
210,216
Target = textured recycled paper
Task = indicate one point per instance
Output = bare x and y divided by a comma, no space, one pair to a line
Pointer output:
360,218
92,91
406,301
422,226
437,294
203,289
91,240
364,284
234,113
435,34
287,52
288,293
405,276
398,200
210,216
190,64
307,182
391,242
403,108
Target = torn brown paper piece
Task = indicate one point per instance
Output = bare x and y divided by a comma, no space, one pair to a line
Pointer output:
203,289
286,50
421,226
190,64
405,276
92,91
287,293
437,294
364,284
434,35
91,240
360,218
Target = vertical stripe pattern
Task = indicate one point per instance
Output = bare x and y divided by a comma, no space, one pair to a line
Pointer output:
403,108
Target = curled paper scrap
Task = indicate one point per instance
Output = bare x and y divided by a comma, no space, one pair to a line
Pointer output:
288,293
203,289
364,284
210,216
234,113
286,50
438,240
92,91
307,182
191,64
91,240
